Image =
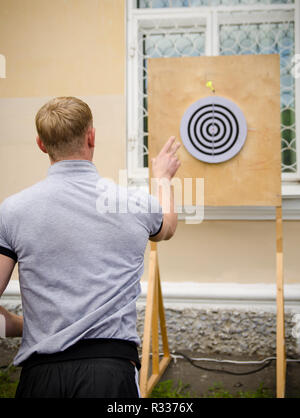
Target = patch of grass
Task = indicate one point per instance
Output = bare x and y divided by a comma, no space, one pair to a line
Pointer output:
167,389
217,391
8,386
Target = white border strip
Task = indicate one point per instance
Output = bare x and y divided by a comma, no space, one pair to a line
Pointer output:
191,293
225,291
290,211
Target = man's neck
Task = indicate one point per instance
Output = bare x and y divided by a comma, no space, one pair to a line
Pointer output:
77,157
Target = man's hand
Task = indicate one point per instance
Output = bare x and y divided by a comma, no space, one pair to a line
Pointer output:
166,164
164,167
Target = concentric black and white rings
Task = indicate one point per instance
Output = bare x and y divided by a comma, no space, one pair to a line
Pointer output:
213,129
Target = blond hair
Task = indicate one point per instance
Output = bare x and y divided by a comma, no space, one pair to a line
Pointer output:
61,125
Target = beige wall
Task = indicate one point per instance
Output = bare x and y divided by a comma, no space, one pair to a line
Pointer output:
56,48
77,47
229,251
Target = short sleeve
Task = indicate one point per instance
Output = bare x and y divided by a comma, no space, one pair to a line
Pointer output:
147,209
5,247
156,216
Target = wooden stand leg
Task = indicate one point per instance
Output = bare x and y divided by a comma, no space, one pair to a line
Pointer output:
154,313
280,335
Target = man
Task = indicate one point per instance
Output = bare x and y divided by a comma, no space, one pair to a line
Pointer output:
79,265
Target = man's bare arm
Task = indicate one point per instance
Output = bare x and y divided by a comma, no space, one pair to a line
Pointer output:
164,167
13,323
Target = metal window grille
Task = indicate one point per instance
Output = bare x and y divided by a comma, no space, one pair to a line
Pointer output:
160,41
269,38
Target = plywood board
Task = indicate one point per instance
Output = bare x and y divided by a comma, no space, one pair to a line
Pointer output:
252,177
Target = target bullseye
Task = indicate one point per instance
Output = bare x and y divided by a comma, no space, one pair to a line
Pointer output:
213,129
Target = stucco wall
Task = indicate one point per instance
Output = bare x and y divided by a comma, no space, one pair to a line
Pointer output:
228,251
59,48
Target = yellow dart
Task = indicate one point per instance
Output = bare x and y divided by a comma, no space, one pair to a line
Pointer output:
209,84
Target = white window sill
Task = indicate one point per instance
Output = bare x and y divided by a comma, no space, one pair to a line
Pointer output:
291,190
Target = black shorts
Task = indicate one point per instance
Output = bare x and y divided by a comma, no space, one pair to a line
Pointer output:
80,378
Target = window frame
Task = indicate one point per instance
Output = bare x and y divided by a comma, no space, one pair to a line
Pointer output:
138,18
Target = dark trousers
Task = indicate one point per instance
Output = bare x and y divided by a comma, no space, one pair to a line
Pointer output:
82,378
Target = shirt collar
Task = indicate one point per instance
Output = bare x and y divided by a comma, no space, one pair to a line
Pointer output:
72,168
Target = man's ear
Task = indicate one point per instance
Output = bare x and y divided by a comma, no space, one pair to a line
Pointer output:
91,137
41,145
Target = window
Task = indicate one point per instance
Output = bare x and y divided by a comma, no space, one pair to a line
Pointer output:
173,28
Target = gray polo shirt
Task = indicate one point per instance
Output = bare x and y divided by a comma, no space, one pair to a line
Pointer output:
80,255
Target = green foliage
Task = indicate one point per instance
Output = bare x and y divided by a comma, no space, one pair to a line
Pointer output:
166,389
261,392
8,386
217,391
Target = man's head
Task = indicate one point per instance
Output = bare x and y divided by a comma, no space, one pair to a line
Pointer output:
65,129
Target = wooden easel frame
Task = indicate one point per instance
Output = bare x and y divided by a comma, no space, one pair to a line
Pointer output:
280,331
154,313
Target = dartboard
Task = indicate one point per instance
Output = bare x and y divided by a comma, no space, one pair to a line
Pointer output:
213,129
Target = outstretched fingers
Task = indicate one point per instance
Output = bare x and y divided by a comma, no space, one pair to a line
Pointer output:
168,145
174,148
